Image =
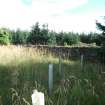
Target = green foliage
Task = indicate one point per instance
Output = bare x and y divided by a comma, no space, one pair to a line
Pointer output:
100,26
19,37
44,36
102,29
52,38
59,38
41,35
35,34
4,36
102,38
70,38
90,38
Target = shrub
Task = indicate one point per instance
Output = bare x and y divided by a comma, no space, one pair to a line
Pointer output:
4,36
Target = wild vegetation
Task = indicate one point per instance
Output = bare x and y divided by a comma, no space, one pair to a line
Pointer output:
24,69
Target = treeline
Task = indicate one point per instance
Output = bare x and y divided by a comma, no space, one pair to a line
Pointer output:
41,35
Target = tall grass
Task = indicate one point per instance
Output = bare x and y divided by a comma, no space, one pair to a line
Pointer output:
23,69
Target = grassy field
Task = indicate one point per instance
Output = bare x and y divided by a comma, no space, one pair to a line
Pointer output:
23,69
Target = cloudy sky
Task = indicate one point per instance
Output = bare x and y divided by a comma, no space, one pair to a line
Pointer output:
61,15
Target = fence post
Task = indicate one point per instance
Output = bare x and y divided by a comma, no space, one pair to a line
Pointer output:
50,78
60,65
82,59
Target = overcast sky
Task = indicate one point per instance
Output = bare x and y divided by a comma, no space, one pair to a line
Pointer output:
61,15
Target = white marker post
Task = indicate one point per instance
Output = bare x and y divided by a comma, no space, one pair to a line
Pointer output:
50,75
37,98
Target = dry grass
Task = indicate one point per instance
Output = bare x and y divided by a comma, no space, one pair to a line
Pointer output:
12,54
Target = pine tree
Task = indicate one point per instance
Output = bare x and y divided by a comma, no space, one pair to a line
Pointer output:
102,37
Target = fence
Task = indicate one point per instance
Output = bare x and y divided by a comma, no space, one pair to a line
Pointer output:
90,53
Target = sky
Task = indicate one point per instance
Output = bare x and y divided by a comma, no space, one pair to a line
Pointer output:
60,15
